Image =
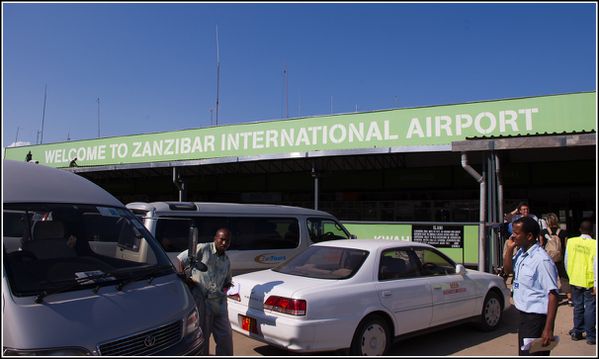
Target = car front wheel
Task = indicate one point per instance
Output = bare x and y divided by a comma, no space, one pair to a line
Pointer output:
371,338
491,312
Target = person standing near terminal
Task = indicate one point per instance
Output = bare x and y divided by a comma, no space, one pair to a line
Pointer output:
210,291
554,228
581,265
523,210
535,292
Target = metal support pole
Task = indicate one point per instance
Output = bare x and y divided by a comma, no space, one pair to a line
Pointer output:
499,188
179,182
481,229
494,210
491,209
315,176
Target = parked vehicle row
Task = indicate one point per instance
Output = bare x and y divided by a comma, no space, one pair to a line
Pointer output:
84,274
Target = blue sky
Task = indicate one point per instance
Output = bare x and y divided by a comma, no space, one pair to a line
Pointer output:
153,65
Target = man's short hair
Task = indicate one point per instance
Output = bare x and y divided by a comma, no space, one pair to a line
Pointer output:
529,225
586,226
523,204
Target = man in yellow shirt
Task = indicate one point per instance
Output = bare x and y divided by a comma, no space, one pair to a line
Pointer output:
581,264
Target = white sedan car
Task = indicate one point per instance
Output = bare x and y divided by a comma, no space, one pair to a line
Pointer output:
360,295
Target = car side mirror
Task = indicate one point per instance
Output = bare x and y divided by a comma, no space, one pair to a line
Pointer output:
460,269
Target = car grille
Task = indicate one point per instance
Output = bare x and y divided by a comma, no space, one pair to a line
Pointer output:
146,343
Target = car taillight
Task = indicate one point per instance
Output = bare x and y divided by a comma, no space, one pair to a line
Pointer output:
286,305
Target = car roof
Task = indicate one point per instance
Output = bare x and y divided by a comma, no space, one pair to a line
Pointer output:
28,182
372,244
187,208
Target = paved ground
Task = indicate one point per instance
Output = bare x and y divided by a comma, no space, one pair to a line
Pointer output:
462,340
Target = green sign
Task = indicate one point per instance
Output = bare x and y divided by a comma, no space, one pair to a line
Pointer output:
429,126
458,241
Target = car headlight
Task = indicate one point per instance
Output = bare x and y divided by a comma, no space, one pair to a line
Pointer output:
69,351
192,322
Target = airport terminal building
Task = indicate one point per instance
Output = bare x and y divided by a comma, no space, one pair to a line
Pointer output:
453,165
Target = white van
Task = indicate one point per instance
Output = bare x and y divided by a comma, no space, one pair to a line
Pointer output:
82,276
262,235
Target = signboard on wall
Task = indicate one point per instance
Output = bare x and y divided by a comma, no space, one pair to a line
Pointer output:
402,129
439,235
459,241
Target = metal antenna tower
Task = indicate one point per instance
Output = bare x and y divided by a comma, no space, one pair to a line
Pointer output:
98,117
44,113
331,104
217,75
286,92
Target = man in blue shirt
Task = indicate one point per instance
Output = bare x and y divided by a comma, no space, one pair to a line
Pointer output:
535,291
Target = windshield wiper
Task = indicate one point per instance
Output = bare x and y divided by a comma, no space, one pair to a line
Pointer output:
76,283
149,274
103,278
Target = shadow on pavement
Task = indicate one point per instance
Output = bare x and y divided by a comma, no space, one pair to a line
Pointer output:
445,342
439,343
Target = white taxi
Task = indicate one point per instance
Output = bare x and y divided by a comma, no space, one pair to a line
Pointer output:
361,295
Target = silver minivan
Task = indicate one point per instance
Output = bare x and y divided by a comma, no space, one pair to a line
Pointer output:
263,235
82,276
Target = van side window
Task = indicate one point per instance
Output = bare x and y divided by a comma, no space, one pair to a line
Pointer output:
173,232
325,229
248,233
15,230
207,227
264,233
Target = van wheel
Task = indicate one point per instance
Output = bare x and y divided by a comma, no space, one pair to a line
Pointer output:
491,313
371,337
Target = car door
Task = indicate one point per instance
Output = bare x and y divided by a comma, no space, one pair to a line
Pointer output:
403,291
453,295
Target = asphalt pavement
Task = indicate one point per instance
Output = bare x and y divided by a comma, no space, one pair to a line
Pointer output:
462,340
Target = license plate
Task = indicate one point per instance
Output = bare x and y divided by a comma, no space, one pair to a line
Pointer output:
249,324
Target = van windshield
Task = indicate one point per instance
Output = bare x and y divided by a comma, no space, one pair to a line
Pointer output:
47,247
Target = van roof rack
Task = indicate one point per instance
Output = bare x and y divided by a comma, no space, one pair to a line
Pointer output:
182,206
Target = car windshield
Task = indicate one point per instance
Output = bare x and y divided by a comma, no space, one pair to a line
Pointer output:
52,247
325,263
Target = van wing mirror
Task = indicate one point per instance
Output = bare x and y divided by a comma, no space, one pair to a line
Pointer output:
192,252
460,269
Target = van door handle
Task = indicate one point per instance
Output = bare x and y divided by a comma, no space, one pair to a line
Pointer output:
386,293
437,286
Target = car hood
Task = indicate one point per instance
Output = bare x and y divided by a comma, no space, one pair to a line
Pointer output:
256,287
84,319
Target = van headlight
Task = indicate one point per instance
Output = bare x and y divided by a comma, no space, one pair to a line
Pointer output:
192,322
70,351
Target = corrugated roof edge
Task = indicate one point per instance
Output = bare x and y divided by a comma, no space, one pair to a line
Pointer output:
531,135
